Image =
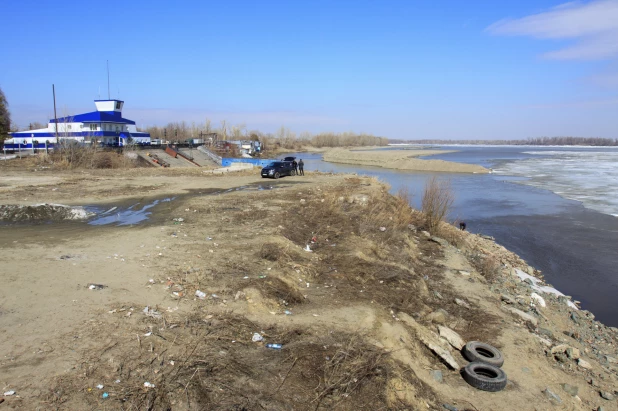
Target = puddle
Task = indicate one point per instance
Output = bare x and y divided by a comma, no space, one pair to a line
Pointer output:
129,216
97,215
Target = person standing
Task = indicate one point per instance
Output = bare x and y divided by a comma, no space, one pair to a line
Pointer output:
301,165
295,165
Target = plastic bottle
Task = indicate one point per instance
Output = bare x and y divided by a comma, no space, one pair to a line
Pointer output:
274,346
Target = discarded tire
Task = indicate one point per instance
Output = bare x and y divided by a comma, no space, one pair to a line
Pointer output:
476,351
484,376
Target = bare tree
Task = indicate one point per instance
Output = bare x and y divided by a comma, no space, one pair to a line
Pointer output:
5,117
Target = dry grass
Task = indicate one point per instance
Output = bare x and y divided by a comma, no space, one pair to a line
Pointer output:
73,156
437,200
209,362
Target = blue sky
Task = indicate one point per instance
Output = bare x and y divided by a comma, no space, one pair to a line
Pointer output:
401,69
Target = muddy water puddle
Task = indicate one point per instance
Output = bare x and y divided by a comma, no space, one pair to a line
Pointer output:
122,213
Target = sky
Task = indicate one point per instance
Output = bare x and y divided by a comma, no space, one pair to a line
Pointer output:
423,69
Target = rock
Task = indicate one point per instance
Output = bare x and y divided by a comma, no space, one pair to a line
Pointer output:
464,273
570,389
436,375
452,337
411,227
449,407
462,303
438,295
507,299
427,338
559,348
584,364
552,396
530,270
547,333
426,234
600,409
573,353
439,240
438,317
538,299
606,395
611,360
524,316
574,317
529,281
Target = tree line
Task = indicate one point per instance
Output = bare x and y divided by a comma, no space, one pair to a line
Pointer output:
532,141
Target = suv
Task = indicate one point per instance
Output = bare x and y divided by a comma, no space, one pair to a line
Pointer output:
277,169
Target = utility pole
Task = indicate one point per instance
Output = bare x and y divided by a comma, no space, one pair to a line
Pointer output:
55,115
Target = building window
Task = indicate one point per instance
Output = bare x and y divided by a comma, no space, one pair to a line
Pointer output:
118,105
69,126
93,127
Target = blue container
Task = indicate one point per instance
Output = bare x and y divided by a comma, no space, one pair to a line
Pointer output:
274,346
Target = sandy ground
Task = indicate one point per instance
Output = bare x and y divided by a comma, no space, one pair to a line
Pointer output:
400,160
351,314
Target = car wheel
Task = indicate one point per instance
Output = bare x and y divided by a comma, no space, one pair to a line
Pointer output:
475,351
484,376
277,175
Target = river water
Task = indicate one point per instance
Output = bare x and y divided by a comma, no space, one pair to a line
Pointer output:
554,206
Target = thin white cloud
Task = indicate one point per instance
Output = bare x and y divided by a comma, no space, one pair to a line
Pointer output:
593,24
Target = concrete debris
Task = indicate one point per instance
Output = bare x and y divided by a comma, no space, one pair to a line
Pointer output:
584,364
462,303
570,389
439,240
552,396
522,315
452,337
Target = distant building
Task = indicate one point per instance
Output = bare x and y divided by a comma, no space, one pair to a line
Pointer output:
105,127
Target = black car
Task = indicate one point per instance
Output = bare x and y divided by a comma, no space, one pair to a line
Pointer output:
278,169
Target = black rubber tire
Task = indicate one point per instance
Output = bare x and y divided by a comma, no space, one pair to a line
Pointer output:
484,376
277,175
476,351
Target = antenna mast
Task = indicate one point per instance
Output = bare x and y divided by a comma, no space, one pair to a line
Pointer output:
108,96
55,115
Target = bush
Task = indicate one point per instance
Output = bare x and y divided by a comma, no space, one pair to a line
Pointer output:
437,201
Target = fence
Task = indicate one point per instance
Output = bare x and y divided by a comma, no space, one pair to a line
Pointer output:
226,162
217,159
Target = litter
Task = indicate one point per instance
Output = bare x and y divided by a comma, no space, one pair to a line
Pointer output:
9,393
105,395
200,294
151,313
96,286
149,385
100,386
382,229
257,337
288,312
148,334
274,346
179,219
308,249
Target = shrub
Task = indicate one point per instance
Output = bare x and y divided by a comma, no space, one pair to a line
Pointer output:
437,201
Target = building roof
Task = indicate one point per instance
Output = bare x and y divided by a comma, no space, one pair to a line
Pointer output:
95,117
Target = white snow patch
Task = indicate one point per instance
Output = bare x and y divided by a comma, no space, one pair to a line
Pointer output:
542,288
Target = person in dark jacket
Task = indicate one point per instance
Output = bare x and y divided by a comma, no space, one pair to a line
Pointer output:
301,165
295,165
462,225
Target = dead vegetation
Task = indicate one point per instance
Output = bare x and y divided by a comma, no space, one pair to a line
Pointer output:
204,361
437,200
73,156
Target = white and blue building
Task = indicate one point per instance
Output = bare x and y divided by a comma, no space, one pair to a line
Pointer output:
104,127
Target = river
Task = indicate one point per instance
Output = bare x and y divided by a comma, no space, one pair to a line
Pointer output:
556,207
